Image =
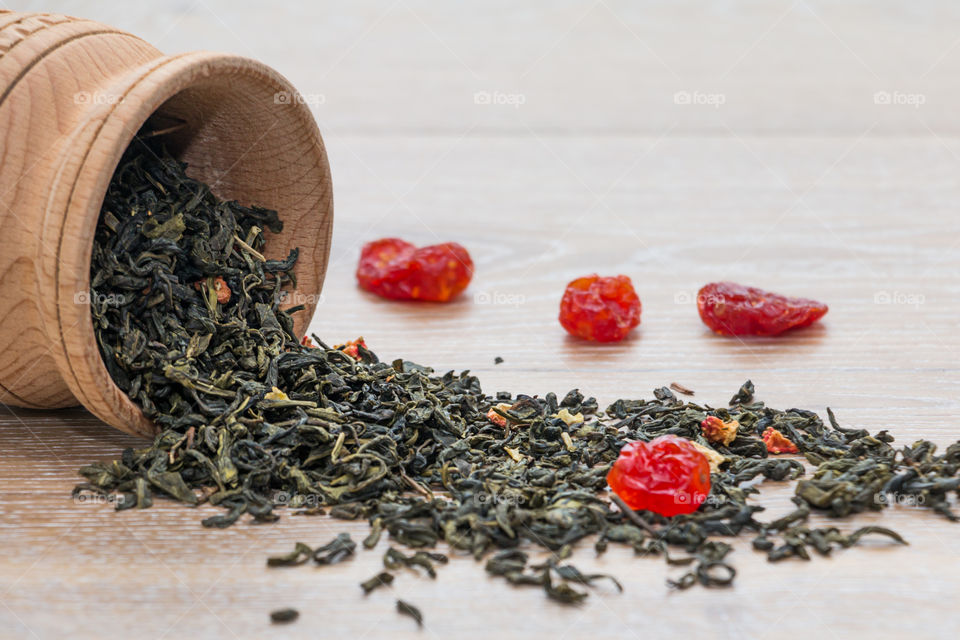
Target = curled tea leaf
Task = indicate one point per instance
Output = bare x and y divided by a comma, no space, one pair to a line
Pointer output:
744,395
337,550
301,554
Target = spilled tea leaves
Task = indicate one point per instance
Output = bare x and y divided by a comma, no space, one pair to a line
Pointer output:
256,423
337,550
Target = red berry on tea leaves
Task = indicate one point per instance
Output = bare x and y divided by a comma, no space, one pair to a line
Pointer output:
734,310
777,442
667,475
393,268
222,289
717,431
352,347
603,309
495,417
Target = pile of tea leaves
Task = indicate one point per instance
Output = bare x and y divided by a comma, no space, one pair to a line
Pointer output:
257,423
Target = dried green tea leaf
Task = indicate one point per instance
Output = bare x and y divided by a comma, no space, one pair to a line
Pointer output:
337,550
408,609
382,579
283,616
744,395
394,559
854,537
301,554
563,592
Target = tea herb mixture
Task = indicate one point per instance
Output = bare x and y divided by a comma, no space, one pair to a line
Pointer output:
187,315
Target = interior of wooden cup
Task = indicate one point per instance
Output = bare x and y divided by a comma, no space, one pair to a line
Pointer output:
242,130
245,140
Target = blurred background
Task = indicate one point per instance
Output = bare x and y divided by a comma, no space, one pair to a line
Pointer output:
603,67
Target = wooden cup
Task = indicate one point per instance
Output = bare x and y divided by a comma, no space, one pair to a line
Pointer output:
72,95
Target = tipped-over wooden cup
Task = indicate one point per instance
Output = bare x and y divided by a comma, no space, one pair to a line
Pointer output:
72,95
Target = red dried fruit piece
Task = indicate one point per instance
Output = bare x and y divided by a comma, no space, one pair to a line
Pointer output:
393,268
777,442
667,475
307,342
717,431
220,286
223,291
734,310
604,309
352,348
495,417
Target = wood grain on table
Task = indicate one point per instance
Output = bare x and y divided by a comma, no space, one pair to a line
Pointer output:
809,147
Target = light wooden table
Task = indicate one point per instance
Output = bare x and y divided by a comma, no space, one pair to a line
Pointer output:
787,169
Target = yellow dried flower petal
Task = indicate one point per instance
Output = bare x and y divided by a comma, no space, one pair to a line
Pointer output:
569,418
713,457
276,394
514,454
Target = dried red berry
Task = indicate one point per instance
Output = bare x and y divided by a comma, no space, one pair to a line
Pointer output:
393,268
352,347
717,431
667,475
220,288
495,417
734,309
600,308
777,442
